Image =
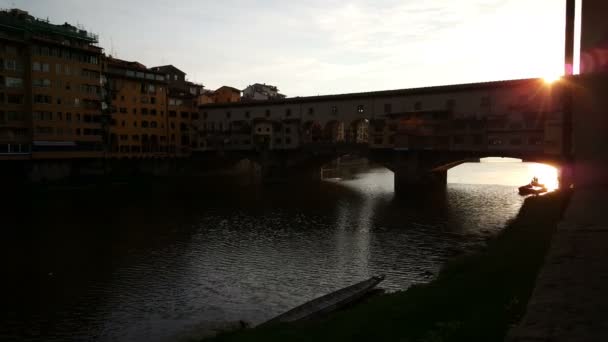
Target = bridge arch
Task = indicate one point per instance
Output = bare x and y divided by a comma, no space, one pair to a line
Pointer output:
333,131
312,132
357,131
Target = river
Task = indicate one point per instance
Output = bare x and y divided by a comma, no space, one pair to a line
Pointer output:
149,265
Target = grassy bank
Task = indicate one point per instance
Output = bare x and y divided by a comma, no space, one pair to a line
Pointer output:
475,297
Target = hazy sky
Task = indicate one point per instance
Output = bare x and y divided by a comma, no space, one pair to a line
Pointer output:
311,47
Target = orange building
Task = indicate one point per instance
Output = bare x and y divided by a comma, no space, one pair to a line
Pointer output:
137,104
225,94
50,89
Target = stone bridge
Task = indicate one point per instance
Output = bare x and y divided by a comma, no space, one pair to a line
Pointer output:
417,133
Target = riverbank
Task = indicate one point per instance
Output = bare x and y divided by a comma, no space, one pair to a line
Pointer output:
476,297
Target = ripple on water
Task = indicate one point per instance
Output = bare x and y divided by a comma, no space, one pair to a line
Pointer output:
223,259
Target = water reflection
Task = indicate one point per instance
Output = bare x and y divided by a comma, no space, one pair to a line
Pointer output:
147,266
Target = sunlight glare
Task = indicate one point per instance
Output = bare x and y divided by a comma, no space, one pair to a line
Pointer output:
546,174
550,79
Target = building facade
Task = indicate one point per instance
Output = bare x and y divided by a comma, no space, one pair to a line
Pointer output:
137,103
261,92
226,94
503,116
182,105
51,89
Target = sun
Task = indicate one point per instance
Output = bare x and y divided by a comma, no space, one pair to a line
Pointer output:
550,79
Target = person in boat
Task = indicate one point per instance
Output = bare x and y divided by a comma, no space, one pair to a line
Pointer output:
534,182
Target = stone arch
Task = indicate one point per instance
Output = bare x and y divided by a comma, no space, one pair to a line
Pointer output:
333,131
358,131
312,132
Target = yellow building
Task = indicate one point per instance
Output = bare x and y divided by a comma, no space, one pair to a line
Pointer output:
51,82
138,107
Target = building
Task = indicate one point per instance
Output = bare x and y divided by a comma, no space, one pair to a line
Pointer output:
182,105
50,89
500,117
226,94
261,92
137,103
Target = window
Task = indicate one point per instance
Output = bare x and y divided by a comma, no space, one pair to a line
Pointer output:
58,69
247,114
59,116
172,113
418,105
288,112
123,110
184,115
287,130
388,107
45,67
516,141
36,66
38,98
494,141
334,110
123,123
360,109
14,82
144,124
10,64
153,124
135,137
76,102
68,116
228,114
267,112
288,140
144,111
134,110
124,137
152,111
175,77
458,140
311,111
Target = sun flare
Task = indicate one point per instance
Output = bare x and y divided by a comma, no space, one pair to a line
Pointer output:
546,174
550,79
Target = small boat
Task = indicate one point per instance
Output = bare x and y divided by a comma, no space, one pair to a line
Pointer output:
328,302
530,189
534,188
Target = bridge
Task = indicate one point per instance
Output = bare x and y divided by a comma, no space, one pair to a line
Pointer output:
417,133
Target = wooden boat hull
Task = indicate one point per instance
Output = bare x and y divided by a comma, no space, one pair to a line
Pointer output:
327,303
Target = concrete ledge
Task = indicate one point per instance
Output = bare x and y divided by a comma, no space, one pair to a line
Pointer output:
570,302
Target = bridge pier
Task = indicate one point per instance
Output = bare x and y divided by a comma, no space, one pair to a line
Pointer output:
412,173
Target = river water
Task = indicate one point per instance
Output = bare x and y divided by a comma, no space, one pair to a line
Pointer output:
150,265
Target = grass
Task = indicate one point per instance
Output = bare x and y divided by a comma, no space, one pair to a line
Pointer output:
475,298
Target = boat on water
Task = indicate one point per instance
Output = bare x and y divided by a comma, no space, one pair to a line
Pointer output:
534,188
328,302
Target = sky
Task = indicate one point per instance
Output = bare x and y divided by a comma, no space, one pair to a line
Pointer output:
312,47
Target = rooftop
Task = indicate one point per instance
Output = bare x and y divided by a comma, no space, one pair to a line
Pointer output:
22,20
395,92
